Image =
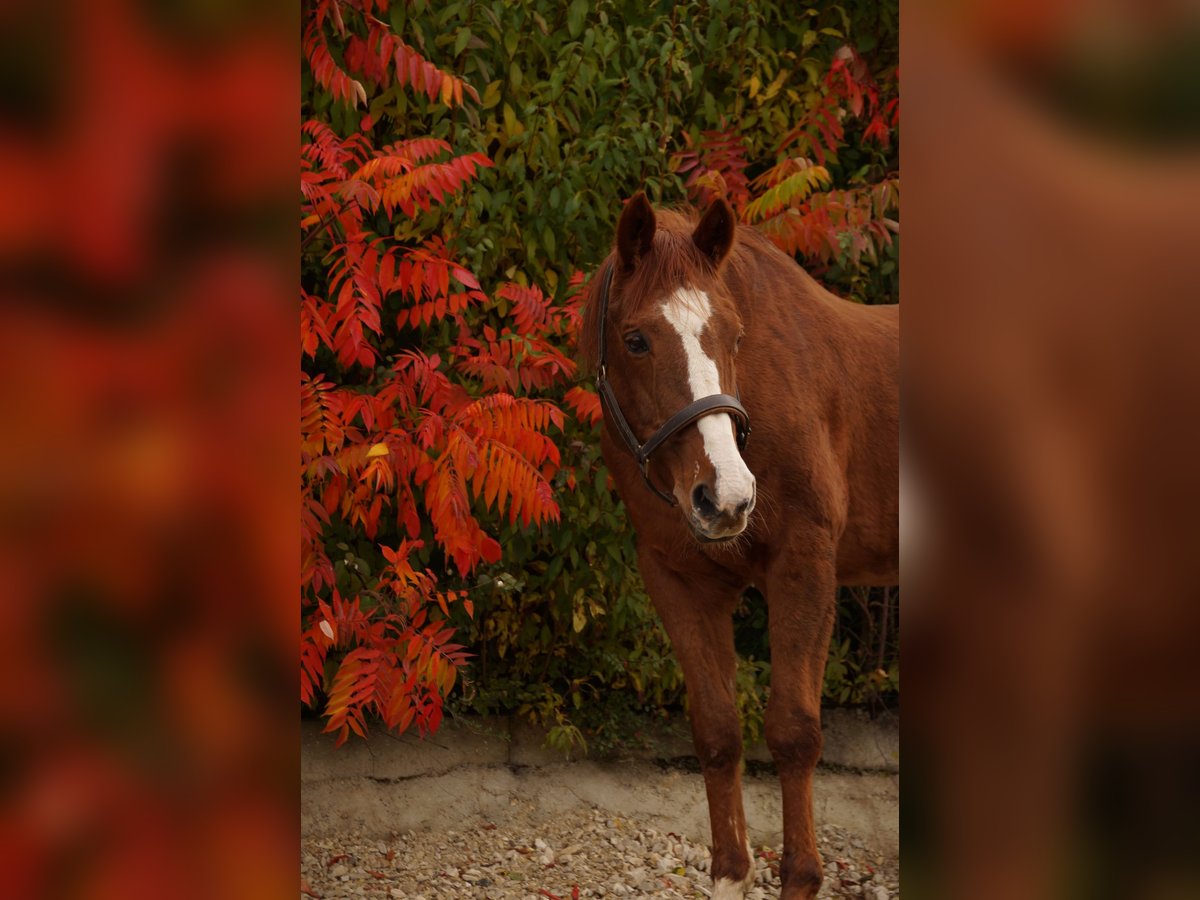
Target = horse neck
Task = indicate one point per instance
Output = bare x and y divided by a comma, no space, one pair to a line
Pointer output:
780,299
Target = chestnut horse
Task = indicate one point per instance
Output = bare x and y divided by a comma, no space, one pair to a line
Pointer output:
700,331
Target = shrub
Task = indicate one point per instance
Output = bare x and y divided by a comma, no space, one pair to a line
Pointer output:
790,112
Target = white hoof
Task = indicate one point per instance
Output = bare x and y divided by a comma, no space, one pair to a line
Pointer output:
728,889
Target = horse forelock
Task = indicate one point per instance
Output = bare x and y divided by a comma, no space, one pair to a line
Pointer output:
673,262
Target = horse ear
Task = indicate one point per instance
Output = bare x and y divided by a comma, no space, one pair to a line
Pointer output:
714,235
635,231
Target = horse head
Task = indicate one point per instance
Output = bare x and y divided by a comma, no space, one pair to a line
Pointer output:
665,332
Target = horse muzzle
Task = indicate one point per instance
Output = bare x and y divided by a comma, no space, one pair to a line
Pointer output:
713,523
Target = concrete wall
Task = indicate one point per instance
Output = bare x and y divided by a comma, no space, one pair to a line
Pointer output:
491,768
852,741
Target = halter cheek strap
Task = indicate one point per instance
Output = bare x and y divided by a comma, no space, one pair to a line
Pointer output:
713,403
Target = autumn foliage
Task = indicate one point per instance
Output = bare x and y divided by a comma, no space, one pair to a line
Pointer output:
403,448
462,166
794,201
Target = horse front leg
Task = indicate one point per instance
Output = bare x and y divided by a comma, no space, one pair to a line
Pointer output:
698,615
801,607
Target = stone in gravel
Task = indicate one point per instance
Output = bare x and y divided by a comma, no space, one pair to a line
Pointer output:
626,862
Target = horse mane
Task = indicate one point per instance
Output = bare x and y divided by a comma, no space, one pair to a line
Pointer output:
673,259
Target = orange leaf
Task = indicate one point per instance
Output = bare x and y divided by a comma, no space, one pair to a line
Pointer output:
490,548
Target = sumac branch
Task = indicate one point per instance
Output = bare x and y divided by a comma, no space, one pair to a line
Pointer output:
405,454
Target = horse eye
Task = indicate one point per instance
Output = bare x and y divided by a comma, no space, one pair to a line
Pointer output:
636,344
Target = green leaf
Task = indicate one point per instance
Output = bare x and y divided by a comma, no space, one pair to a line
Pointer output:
460,43
491,95
512,127
576,16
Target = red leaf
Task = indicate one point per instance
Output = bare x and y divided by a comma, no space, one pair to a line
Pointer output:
490,549
466,278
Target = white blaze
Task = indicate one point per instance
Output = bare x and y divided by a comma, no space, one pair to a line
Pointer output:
688,311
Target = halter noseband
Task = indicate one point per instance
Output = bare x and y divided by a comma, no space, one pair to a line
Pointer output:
686,416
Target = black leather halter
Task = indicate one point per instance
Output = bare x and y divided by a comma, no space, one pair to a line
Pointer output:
704,406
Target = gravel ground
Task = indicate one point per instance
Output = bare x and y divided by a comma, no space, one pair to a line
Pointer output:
584,853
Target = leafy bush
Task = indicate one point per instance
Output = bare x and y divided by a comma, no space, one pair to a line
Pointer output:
414,425
501,205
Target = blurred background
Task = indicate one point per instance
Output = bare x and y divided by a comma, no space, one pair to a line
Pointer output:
148,511
1050,430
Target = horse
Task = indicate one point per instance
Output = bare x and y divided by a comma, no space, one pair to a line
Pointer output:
751,427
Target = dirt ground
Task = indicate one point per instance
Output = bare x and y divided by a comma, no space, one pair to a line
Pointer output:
477,817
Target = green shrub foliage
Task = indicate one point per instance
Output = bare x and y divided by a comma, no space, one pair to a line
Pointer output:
788,110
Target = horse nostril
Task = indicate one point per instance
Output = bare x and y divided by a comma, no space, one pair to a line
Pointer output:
743,506
703,501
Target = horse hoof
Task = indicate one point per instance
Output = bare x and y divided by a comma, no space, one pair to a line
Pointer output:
728,889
